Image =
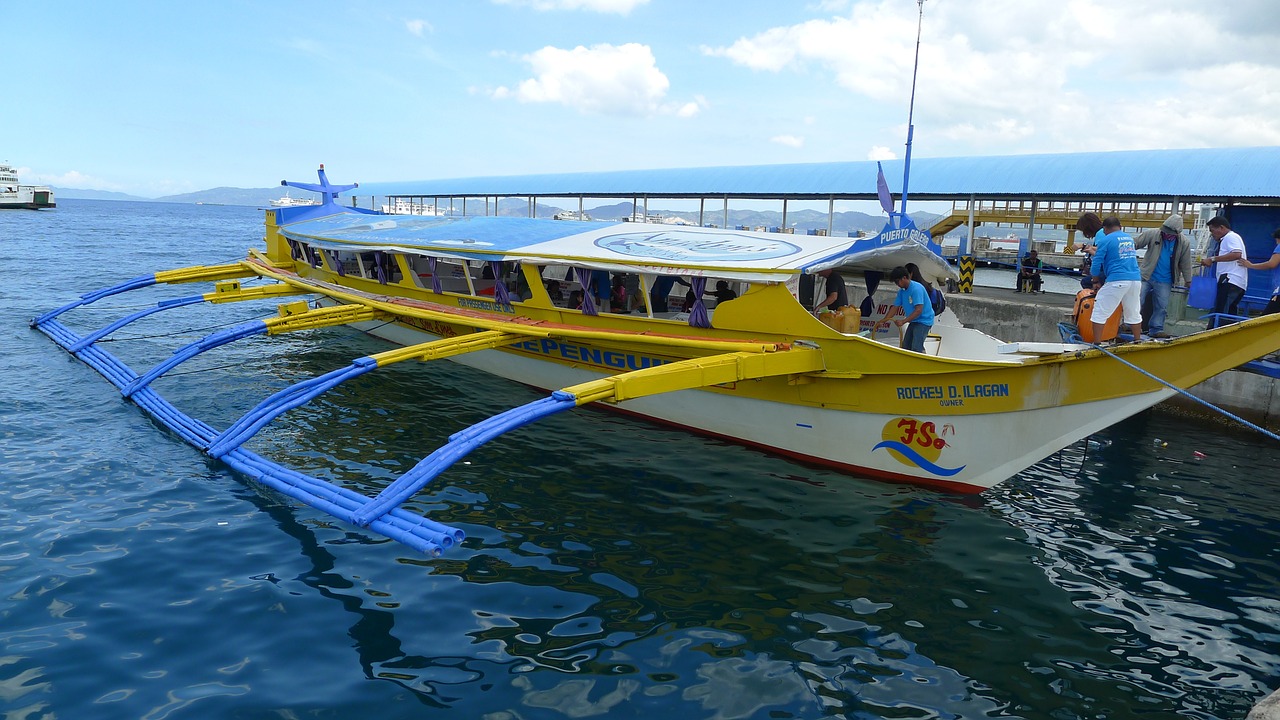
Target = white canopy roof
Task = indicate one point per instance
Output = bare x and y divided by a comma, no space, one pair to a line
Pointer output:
622,247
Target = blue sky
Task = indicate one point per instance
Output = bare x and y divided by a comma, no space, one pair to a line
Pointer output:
156,98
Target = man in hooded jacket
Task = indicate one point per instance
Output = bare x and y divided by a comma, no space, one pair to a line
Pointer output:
1167,263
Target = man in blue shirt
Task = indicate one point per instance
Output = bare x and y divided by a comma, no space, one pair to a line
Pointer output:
1167,263
1115,260
917,311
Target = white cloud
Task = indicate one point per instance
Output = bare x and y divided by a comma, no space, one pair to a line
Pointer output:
419,27
690,109
603,79
879,152
621,7
788,140
1015,76
71,179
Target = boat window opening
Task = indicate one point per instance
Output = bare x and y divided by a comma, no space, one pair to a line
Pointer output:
366,263
327,260
517,282
331,262
314,258
484,277
561,286
396,264
347,263
617,293
626,295
671,297
599,290
721,290
422,272
378,266
395,272
496,282
442,275
801,288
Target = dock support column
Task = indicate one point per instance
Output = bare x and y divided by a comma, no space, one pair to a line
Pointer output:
967,242
967,265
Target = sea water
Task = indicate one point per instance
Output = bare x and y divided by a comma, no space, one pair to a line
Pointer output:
612,568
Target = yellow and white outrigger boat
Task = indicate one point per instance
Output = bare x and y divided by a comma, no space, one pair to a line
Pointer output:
758,369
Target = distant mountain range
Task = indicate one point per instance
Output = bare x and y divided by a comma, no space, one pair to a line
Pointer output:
215,196
802,220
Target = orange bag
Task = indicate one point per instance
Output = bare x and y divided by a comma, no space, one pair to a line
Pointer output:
1084,311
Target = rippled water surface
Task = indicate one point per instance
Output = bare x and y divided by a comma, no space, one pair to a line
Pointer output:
612,568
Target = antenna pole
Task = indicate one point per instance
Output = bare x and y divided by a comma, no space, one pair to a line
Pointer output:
911,111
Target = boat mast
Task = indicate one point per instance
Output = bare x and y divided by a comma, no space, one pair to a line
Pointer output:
911,110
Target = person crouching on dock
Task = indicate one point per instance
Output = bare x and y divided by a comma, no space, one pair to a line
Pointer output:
1116,260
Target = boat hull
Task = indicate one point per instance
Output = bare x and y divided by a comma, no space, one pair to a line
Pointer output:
28,199
946,450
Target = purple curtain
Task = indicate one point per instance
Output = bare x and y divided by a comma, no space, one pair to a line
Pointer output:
295,249
868,305
313,258
337,262
500,294
436,287
379,258
698,313
584,279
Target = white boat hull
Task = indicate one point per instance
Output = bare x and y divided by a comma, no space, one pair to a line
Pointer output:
953,452
27,197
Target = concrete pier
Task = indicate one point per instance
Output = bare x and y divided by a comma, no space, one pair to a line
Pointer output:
1267,709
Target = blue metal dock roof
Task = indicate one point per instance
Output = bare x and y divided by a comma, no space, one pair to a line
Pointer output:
1197,175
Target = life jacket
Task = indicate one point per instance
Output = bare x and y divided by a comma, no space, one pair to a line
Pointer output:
1083,312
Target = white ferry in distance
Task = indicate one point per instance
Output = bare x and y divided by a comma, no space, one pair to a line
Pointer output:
287,201
14,196
403,206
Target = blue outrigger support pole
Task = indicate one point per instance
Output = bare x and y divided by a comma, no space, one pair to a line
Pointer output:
459,446
138,282
291,397
186,352
420,533
97,335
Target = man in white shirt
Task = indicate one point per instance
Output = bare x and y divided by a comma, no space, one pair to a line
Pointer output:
1233,279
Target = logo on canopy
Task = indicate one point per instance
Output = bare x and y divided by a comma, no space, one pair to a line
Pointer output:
686,245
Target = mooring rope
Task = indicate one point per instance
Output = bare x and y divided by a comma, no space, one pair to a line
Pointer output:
1189,396
204,370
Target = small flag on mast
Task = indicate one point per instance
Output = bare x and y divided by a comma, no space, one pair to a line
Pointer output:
882,189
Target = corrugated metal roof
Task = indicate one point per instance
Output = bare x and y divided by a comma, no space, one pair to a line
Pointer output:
1218,174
